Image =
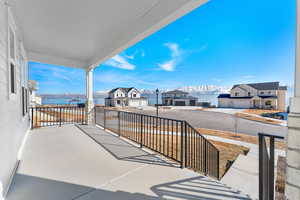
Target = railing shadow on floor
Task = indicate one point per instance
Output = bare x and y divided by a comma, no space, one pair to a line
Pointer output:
25,187
123,150
197,188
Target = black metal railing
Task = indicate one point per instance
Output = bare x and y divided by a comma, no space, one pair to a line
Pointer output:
266,165
175,139
57,115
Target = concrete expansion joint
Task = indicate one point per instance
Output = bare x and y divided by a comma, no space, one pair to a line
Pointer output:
294,128
294,115
293,185
293,149
290,166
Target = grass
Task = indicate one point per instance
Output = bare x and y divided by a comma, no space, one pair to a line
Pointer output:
171,146
54,116
260,111
228,154
279,144
257,118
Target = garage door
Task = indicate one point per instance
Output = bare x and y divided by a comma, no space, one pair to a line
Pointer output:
179,103
192,102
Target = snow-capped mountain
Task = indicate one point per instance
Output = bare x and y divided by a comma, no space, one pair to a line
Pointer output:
205,89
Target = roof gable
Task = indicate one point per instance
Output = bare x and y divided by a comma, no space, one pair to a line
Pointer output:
125,90
261,86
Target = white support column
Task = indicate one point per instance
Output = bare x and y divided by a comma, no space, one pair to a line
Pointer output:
293,139
89,94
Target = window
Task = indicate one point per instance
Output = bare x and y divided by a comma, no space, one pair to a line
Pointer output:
134,95
249,94
12,60
118,102
236,94
268,103
12,78
25,101
262,93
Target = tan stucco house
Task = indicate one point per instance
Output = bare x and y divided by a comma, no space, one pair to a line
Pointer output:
269,95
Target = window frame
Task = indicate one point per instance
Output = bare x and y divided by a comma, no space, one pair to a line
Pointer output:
11,61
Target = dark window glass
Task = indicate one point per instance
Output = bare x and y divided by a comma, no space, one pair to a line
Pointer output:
12,78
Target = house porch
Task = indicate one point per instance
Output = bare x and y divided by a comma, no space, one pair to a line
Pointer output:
87,162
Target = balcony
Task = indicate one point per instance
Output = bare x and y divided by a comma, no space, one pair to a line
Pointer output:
85,162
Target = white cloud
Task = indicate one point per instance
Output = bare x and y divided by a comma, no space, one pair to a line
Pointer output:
168,66
174,48
176,53
119,61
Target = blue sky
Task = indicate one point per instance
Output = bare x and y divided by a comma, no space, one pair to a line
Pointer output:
224,42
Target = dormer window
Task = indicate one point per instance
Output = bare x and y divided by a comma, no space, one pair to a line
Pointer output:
249,94
134,95
262,93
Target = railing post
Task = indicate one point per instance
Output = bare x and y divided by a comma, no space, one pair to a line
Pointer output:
218,165
185,145
260,172
104,118
31,118
141,130
119,125
271,169
182,145
205,157
60,116
95,114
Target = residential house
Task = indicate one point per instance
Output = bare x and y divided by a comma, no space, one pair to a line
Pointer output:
33,97
269,95
84,34
125,97
178,98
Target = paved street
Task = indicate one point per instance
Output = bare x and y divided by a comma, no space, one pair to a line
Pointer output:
220,121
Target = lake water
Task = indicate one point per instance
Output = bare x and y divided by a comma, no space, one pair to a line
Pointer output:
151,97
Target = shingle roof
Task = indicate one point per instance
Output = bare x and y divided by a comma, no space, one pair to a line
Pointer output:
282,88
262,86
246,97
126,90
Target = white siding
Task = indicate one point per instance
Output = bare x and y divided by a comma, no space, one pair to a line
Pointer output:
133,92
13,125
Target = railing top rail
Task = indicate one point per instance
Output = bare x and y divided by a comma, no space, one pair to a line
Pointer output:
141,114
176,120
269,135
56,107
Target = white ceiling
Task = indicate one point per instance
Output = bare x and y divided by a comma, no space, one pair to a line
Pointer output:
81,33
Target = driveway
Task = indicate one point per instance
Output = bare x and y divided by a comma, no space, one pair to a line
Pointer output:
220,121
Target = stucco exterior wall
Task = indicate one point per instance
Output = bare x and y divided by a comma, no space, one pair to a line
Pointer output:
13,124
234,103
241,92
137,102
133,92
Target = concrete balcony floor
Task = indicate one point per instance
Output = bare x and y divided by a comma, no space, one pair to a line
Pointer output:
88,163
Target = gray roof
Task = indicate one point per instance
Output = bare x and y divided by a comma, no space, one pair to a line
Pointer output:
246,97
126,90
175,92
262,86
